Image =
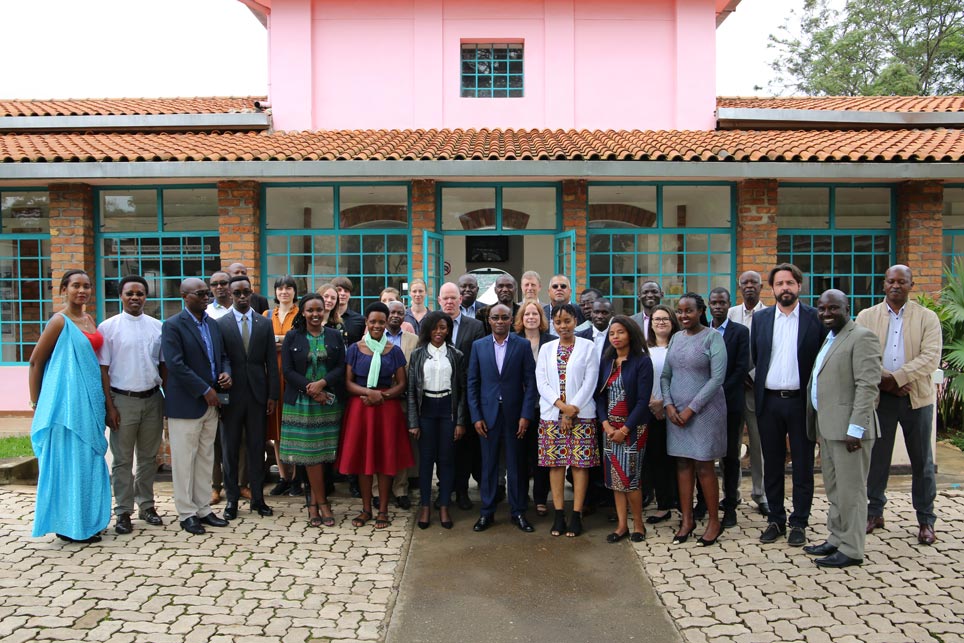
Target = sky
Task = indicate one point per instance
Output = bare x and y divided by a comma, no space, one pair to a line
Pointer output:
153,48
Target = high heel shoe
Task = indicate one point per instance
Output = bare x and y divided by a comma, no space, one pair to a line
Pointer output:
703,542
558,523
575,525
679,538
424,524
446,524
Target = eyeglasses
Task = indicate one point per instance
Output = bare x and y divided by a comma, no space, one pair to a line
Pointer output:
558,286
201,294
241,293
219,283
659,320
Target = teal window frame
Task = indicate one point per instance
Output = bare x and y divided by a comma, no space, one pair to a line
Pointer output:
166,305
478,75
660,232
340,235
498,187
12,304
810,294
952,245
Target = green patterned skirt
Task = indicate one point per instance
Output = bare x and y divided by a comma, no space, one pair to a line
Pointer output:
309,431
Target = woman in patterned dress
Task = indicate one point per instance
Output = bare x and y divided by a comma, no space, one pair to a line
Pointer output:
623,391
566,378
692,380
313,365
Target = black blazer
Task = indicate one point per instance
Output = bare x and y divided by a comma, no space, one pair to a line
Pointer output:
188,366
259,303
737,339
354,324
638,381
469,331
294,363
810,336
255,371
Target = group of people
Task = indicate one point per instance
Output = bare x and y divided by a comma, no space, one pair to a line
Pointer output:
513,393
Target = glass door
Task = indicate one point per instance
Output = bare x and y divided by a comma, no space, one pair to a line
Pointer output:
433,267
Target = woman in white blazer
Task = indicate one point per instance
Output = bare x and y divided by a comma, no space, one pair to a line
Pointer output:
566,372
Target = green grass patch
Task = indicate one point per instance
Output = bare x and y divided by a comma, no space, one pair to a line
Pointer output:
16,446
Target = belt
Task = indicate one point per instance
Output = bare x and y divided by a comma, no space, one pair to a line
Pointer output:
783,394
137,394
436,394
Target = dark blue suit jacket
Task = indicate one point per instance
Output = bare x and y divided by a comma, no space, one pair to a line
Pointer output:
810,336
515,385
188,367
737,339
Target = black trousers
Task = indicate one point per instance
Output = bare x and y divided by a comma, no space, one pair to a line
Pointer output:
243,420
779,419
659,468
468,460
730,464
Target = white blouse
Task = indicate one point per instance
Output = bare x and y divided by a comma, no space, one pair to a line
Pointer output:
658,355
437,370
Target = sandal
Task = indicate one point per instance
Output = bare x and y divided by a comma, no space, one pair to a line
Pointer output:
361,518
314,521
575,525
559,523
327,520
542,510
382,521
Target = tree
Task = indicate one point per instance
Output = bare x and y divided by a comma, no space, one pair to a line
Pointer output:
871,48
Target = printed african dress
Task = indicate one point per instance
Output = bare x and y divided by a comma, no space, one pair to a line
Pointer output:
309,429
575,447
623,461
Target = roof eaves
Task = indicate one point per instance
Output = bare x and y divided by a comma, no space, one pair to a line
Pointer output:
239,121
754,118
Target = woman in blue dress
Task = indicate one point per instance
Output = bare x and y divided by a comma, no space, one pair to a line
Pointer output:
68,395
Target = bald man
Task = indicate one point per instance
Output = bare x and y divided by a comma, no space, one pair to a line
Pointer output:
258,302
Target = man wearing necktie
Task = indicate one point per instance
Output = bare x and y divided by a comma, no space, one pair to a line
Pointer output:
841,413
249,343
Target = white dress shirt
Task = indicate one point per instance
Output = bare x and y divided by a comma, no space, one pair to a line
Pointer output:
784,371
216,310
894,348
437,370
131,351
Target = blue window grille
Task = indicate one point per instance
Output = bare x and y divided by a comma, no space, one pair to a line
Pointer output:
842,237
679,235
953,224
492,70
25,286
369,241
163,234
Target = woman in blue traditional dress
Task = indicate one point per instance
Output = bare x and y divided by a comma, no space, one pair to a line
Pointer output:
313,365
68,397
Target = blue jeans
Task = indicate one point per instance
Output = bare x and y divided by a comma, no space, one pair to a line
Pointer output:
436,448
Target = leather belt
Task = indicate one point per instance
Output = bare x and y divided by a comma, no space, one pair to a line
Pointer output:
436,394
138,394
783,394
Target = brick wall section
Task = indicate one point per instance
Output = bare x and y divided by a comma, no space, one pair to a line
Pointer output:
920,206
239,224
756,227
71,233
575,195
423,218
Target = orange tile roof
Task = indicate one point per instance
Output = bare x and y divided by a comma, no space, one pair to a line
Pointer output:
127,106
364,145
849,103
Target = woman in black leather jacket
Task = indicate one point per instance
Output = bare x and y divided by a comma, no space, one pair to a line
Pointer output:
437,410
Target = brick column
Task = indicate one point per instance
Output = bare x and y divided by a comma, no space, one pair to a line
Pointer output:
239,224
756,227
423,218
71,233
575,197
920,206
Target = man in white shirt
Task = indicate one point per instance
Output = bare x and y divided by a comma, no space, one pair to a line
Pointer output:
131,358
221,301
750,286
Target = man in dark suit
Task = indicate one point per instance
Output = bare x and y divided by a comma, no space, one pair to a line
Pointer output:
197,368
502,399
249,343
737,340
258,302
841,412
505,288
468,453
784,345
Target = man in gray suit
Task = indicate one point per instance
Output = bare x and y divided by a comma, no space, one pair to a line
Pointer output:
650,294
841,401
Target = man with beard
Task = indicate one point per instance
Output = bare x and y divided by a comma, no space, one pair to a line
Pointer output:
784,345
650,294
750,286
505,287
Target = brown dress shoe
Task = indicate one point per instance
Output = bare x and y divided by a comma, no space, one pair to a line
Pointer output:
926,535
215,497
245,493
874,522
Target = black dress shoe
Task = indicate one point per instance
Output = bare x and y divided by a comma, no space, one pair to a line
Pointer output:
658,518
85,541
193,525
123,525
213,520
402,502
281,488
150,516
483,523
523,524
262,509
230,510
764,509
797,537
462,500
296,489
838,559
772,532
823,549
729,518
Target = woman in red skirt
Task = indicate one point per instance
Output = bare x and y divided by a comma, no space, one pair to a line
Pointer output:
374,439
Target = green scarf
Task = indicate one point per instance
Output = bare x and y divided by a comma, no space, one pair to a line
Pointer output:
376,348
